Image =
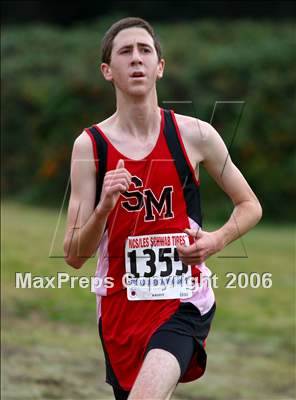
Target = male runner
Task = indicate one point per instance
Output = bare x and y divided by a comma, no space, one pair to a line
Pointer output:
135,196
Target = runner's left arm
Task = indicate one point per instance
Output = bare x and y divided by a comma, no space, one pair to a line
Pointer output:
247,210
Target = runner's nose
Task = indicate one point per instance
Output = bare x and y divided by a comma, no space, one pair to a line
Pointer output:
136,57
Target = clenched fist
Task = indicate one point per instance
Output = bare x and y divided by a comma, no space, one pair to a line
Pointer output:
115,182
205,244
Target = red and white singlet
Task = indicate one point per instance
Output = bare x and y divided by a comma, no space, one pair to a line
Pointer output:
140,238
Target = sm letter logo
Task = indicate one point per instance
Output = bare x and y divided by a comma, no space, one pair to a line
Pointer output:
138,199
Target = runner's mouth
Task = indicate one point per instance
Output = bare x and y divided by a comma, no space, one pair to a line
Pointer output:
138,74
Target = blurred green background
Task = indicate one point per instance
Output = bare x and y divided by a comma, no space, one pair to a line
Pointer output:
52,90
234,67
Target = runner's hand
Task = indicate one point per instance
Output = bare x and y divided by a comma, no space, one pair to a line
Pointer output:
205,244
115,182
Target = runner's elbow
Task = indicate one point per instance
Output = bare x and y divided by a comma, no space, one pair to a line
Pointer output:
74,262
257,210
260,211
70,259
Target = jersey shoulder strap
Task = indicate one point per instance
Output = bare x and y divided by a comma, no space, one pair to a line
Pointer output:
185,171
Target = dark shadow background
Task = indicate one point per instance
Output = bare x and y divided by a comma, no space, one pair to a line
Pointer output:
63,14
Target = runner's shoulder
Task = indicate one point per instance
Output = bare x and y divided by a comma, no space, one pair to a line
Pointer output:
194,130
83,147
83,144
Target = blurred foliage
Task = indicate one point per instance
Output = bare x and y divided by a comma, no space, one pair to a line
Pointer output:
244,71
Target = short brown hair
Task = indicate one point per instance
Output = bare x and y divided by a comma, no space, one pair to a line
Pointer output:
130,22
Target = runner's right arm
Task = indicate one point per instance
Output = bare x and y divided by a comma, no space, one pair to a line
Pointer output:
85,222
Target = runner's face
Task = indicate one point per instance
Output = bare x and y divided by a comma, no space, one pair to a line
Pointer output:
134,65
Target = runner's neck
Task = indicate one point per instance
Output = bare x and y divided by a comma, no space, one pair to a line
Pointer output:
139,116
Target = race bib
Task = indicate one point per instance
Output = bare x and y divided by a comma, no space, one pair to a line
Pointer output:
153,268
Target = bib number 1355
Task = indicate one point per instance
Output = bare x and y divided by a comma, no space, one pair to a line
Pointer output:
154,267
154,257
